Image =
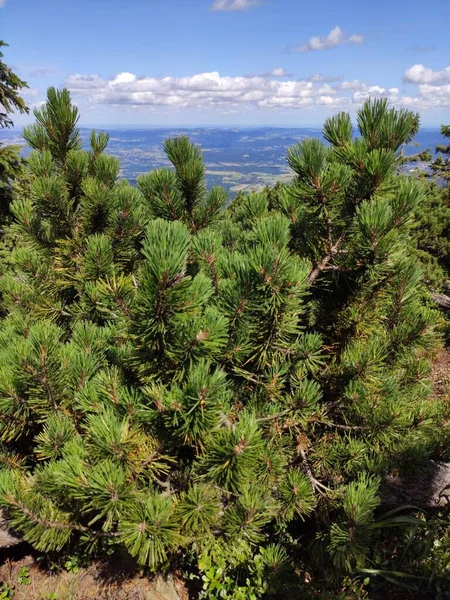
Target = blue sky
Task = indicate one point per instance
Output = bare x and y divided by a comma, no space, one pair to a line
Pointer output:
247,62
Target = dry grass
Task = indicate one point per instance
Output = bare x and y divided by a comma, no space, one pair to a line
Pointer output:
441,374
87,584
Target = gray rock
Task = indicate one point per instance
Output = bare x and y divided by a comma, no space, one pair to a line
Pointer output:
428,489
7,537
163,589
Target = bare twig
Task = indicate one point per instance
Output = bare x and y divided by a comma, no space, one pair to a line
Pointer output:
317,486
347,427
326,259
441,300
273,417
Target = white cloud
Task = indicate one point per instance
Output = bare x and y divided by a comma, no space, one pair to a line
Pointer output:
336,37
233,5
200,90
123,78
39,104
435,95
279,72
317,77
424,75
227,94
30,93
376,91
361,91
351,86
84,82
2,3
433,86
356,38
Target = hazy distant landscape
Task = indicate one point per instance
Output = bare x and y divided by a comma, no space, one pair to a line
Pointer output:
236,158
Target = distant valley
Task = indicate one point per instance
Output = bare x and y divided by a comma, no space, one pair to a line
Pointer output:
237,158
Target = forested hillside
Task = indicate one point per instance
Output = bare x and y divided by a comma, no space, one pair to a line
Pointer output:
221,388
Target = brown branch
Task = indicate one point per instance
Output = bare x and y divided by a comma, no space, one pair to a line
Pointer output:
346,427
273,417
338,268
317,486
58,526
169,204
441,300
143,464
326,259
165,485
40,521
215,279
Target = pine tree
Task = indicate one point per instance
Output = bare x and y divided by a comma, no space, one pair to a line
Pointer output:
180,194
10,87
441,165
10,162
190,383
432,234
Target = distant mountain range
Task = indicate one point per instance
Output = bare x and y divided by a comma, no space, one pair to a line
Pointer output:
236,158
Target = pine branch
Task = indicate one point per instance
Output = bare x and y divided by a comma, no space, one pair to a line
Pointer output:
326,259
169,203
441,300
214,276
273,417
349,427
317,485
44,522
165,485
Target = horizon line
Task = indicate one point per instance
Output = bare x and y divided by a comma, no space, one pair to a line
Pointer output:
199,126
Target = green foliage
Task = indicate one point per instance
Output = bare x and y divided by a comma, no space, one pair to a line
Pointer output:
181,194
55,127
10,87
24,576
442,164
217,389
431,231
6,591
72,565
11,165
11,169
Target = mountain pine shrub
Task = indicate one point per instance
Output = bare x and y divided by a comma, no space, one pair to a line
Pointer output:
432,233
221,389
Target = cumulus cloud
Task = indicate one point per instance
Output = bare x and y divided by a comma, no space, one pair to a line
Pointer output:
433,86
318,78
423,75
277,72
80,83
437,95
352,86
375,91
336,37
233,5
200,90
227,94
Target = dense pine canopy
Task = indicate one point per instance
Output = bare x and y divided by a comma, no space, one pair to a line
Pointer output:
216,385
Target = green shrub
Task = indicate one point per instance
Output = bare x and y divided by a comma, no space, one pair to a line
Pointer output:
218,389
